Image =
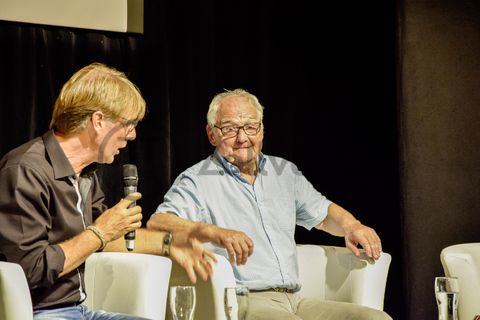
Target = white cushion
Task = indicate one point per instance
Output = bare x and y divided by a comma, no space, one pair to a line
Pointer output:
131,283
15,300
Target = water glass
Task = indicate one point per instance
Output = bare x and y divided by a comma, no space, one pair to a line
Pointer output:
236,302
446,293
182,302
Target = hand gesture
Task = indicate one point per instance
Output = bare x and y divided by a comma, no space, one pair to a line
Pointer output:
120,219
239,246
360,234
190,254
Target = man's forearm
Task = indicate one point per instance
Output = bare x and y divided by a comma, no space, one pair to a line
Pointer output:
146,241
77,249
238,245
187,252
170,222
338,222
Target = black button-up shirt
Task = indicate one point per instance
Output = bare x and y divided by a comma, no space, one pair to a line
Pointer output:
39,209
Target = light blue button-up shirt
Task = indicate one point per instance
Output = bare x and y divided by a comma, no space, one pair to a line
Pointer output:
213,191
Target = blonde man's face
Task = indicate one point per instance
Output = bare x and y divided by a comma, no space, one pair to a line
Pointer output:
114,136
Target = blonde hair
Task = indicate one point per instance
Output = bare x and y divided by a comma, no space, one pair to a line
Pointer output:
96,87
218,99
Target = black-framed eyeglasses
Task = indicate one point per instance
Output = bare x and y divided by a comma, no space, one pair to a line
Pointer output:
250,129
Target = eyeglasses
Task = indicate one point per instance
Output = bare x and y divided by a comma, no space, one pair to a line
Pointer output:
129,125
250,129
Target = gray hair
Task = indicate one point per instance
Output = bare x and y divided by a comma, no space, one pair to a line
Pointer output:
218,99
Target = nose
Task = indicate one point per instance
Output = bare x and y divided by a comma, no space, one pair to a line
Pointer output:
241,135
131,134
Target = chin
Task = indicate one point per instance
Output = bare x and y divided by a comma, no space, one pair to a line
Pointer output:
244,155
108,160
242,160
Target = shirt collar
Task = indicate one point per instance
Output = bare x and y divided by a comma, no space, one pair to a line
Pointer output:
61,166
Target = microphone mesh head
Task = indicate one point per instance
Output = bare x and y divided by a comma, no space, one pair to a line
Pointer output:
130,175
130,170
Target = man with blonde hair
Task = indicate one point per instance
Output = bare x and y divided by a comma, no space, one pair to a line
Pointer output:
52,209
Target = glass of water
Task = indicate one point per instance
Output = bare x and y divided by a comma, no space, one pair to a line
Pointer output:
182,302
446,293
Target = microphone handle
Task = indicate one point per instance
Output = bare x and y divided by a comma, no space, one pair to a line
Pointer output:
130,236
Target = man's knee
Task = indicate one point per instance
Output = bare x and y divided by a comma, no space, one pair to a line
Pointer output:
365,313
313,309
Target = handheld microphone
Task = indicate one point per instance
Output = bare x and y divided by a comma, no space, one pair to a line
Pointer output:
130,182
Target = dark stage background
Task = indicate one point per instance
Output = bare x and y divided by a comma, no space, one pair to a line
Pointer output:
326,77
340,89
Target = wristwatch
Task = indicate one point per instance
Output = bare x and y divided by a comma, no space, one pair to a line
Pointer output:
167,240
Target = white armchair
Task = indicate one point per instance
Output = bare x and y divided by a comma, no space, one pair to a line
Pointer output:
327,272
15,300
131,283
335,273
463,261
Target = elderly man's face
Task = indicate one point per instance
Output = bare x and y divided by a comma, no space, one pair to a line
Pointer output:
243,147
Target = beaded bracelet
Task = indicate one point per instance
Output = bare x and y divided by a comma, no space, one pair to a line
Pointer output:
100,236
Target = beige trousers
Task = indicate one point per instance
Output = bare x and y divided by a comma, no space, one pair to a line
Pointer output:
279,306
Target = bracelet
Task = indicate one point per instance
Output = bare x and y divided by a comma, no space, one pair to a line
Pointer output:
100,236
167,240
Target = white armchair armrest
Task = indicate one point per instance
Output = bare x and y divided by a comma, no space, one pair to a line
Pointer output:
335,273
463,261
15,300
131,283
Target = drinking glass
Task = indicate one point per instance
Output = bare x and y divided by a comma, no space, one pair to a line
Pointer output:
446,293
236,303
182,302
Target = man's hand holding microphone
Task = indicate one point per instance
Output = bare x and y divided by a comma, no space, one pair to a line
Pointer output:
120,219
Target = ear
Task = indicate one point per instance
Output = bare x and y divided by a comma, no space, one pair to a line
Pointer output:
97,120
211,136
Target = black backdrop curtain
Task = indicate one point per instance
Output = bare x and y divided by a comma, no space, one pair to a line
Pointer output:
326,77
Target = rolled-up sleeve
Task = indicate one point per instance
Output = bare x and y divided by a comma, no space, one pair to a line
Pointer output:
311,205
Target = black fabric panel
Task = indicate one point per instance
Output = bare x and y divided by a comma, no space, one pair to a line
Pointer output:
439,116
325,73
